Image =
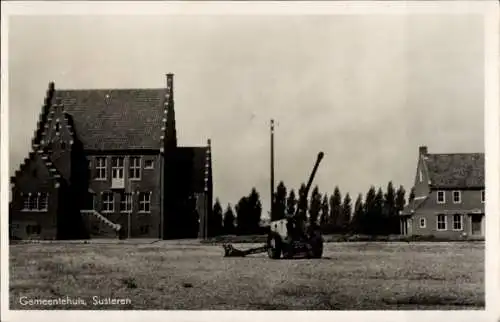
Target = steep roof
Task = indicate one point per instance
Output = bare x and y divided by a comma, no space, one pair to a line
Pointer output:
108,119
457,170
413,205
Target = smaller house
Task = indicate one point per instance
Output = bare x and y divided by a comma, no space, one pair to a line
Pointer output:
449,196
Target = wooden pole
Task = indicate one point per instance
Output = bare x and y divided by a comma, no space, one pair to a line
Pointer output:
272,169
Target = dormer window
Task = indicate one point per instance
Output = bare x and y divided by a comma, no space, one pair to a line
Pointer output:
441,198
457,198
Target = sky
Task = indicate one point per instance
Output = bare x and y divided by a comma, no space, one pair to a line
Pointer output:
367,90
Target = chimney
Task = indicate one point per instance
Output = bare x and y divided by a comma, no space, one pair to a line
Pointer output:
169,120
422,150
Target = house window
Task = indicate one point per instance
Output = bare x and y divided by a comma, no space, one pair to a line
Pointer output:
108,202
441,222
33,229
144,229
126,202
441,197
148,164
30,202
458,223
117,168
422,223
457,198
145,202
26,202
43,201
135,168
483,196
101,168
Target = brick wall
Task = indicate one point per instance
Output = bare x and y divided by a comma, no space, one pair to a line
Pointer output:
144,225
33,178
429,211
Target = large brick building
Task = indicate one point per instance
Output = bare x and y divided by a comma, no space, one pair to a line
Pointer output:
449,196
105,162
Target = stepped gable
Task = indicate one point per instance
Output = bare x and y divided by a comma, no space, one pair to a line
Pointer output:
54,173
38,146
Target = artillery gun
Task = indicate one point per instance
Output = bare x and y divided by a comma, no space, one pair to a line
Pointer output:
291,235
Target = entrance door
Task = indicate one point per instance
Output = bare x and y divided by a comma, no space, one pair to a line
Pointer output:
476,224
409,229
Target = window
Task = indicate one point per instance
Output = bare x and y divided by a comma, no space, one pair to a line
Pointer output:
135,168
126,202
148,164
457,198
43,201
117,167
441,222
420,176
33,229
145,202
441,197
144,230
422,223
458,222
483,196
30,202
26,202
108,202
101,168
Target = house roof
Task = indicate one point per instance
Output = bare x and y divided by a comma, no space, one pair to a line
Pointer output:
458,170
413,205
108,119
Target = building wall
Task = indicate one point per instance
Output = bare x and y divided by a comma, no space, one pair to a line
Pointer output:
430,228
33,178
145,225
470,199
470,203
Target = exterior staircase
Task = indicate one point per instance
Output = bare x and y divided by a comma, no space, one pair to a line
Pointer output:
108,223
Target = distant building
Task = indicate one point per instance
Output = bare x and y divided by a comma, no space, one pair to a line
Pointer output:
105,162
449,196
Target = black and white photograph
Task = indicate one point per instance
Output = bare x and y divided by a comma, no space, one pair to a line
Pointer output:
249,161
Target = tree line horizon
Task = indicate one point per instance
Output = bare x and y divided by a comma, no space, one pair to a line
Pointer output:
375,214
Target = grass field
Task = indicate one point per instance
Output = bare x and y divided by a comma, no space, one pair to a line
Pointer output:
187,275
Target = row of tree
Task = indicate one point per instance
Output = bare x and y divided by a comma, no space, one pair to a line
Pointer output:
376,214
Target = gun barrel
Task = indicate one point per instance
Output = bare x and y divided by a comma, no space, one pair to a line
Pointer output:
313,174
303,197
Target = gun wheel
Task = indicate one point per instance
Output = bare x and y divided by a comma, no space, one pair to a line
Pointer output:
274,247
316,246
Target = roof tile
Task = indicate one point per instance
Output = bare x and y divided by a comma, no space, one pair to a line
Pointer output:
109,119
459,170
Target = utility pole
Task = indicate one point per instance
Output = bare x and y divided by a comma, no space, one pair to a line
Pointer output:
272,169
128,195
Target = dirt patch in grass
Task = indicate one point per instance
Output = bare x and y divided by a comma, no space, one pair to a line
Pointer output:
174,276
